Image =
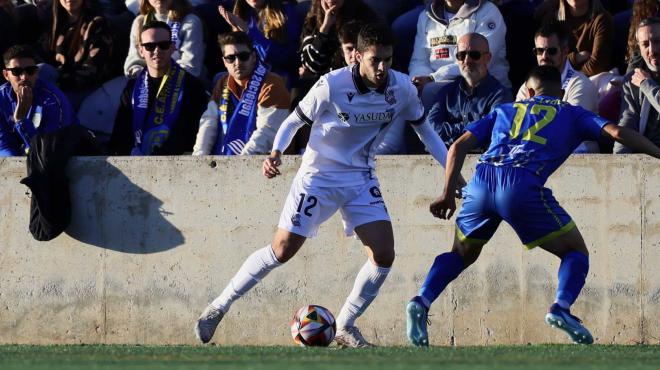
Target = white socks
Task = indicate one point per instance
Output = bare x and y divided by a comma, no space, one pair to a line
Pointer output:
365,289
263,261
255,268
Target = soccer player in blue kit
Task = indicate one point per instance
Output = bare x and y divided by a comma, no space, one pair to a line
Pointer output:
529,140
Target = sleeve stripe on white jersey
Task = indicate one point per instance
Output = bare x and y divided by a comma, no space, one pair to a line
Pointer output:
303,117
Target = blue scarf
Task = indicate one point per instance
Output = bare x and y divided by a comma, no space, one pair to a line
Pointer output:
262,49
152,128
234,133
175,27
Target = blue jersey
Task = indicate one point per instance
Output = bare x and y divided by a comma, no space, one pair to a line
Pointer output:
537,134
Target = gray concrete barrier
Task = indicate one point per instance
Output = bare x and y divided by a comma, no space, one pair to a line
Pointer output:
153,240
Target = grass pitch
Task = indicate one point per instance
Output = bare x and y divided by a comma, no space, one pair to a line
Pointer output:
535,357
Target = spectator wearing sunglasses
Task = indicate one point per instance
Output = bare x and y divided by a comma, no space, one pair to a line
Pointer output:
248,104
551,47
439,27
469,97
28,105
187,35
159,109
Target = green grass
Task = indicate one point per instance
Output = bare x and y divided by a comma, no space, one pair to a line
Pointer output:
535,357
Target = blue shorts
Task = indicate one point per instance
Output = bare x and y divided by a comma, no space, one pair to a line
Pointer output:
516,196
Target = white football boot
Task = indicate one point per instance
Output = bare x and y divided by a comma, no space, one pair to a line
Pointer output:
207,323
350,336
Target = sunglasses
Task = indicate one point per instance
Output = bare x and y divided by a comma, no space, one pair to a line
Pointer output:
17,71
473,54
552,50
162,45
243,56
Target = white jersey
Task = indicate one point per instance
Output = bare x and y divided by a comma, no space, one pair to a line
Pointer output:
348,122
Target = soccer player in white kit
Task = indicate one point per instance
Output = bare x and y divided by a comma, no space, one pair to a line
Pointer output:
350,110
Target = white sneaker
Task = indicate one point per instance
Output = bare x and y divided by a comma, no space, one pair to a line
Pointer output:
207,323
350,336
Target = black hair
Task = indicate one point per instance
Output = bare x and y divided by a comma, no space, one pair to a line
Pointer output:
348,33
156,25
19,51
545,74
374,34
235,38
558,29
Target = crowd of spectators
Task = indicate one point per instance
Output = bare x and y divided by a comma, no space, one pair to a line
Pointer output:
219,76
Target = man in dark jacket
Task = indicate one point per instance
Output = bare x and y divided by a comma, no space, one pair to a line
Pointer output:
469,96
160,109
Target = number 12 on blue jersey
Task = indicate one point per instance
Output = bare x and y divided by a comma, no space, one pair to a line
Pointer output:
530,133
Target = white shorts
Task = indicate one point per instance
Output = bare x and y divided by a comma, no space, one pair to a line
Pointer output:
307,207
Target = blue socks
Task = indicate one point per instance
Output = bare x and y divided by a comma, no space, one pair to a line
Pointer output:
572,275
445,269
447,266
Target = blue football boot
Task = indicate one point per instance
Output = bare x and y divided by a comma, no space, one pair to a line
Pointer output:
417,319
561,318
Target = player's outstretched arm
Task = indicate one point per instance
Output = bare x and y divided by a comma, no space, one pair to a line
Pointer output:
445,205
632,139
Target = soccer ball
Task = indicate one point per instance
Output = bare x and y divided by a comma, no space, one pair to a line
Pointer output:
313,326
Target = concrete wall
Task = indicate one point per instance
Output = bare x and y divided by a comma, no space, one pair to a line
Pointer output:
154,239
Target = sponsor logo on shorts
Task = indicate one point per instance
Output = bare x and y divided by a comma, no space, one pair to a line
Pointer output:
295,220
491,25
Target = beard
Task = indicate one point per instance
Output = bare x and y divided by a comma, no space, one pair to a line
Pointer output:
473,74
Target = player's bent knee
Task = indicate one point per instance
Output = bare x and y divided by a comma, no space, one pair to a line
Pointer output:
286,245
469,252
384,258
283,251
569,242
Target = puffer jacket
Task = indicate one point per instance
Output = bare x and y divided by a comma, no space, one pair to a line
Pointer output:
436,40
